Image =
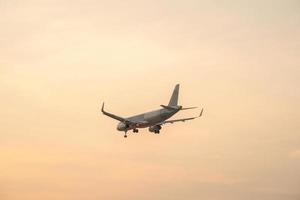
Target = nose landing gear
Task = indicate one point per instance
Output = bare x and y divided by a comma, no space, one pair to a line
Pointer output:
134,130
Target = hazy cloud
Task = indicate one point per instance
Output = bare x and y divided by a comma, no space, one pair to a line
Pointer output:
60,59
295,154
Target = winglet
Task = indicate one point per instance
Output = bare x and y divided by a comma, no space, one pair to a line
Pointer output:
102,109
201,112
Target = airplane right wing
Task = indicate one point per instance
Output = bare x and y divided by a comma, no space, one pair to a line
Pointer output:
181,120
121,119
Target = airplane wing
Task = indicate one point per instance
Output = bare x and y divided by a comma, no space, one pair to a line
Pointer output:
121,119
181,120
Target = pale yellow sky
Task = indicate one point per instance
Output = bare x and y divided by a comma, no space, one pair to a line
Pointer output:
60,59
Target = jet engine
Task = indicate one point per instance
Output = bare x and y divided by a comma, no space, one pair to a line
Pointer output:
155,128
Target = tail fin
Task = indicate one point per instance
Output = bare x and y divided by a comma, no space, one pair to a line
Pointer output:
174,98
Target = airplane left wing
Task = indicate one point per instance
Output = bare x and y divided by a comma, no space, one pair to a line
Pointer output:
181,120
121,119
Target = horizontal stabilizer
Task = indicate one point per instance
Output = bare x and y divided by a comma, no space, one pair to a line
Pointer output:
188,108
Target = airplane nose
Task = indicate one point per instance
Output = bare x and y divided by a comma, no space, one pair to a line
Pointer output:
118,127
121,127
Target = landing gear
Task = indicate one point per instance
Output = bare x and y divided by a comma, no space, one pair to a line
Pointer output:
125,136
155,129
135,130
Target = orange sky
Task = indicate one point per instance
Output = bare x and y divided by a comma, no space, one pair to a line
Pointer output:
60,59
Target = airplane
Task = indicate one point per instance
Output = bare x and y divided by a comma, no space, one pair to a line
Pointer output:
152,120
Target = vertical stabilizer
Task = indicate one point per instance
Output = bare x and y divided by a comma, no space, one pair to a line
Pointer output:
174,97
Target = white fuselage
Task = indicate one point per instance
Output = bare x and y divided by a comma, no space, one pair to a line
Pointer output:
147,119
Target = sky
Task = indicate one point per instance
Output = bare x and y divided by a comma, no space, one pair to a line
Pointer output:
239,60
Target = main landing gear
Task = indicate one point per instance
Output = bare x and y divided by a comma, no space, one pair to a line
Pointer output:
135,130
125,136
156,131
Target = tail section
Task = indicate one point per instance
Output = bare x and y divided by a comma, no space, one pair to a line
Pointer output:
174,98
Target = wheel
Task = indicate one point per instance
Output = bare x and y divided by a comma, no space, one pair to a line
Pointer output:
125,136
135,130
